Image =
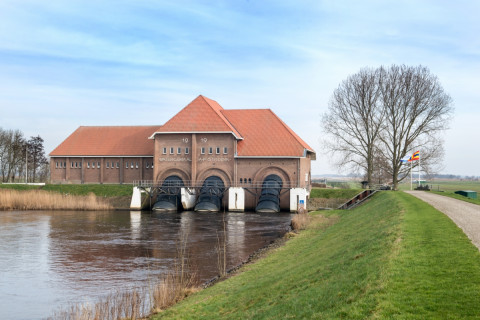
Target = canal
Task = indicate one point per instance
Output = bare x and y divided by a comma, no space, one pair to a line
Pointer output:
51,259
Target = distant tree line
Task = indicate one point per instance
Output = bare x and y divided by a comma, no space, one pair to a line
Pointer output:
19,156
377,117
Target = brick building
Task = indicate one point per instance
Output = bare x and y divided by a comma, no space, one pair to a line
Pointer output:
241,147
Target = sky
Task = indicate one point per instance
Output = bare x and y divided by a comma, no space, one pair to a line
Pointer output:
65,64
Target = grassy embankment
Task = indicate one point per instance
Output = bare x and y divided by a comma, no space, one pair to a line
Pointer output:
62,196
393,257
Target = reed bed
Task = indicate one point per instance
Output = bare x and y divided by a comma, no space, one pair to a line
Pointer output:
300,221
44,200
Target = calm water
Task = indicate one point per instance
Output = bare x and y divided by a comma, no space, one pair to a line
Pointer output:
53,259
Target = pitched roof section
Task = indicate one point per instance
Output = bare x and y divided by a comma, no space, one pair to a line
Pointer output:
264,134
108,141
201,115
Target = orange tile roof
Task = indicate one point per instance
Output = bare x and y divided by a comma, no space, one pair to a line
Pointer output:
265,134
200,115
108,141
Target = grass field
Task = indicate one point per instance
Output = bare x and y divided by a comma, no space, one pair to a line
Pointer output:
334,193
101,190
448,187
393,257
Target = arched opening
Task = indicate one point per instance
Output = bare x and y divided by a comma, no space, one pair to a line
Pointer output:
211,194
169,198
269,200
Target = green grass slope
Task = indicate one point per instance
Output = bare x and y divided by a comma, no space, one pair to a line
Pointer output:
394,257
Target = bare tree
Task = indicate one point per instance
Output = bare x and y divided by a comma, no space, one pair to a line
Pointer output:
353,121
36,155
12,153
416,111
378,116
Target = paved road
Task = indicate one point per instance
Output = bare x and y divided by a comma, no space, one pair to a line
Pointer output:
466,215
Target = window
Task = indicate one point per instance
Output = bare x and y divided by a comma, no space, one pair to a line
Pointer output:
64,164
203,150
136,165
171,150
249,180
71,164
210,150
179,150
131,165
88,165
241,180
152,165
126,165
164,150
147,164
98,165
107,165
186,150
79,164
225,150
217,150
56,164
93,165
117,165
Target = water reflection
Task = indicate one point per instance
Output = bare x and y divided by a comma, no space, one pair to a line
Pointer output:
51,259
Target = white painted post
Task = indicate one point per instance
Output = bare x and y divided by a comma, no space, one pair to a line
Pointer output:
297,195
136,203
236,199
188,198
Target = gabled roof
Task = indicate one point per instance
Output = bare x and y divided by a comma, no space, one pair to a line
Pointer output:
200,115
107,141
264,134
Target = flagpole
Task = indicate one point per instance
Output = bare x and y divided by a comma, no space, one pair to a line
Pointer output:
419,169
411,174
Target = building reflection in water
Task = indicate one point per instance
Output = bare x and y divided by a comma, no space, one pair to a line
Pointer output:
78,256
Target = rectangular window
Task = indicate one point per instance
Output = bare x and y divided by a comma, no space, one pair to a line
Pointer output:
98,165
126,165
118,166
136,165
225,150
217,150
186,150
56,164
147,165
64,164
202,150
164,150
107,165
93,165
171,150
79,164
152,165
210,150
131,165
71,164
179,150
88,165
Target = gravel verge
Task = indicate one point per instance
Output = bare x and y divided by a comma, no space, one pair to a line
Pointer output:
466,215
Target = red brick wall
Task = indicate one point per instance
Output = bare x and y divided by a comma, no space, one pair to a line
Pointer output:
100,170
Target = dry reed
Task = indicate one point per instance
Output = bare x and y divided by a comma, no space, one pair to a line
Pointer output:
160,294
300,221
44,200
